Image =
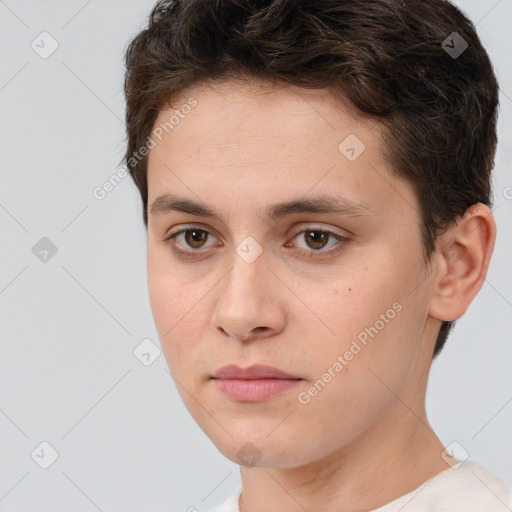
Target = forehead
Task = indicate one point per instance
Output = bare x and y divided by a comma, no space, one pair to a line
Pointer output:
269,141
231,121
245,103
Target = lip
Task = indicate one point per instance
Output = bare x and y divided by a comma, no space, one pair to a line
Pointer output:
253,384
257,371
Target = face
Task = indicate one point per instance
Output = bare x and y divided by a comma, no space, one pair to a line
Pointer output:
302,252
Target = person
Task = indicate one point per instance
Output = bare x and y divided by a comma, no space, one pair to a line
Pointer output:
315,180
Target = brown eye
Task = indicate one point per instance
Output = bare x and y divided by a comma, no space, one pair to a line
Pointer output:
316,243
195,238
188,243
316,239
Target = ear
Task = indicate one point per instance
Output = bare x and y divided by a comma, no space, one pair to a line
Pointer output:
462,258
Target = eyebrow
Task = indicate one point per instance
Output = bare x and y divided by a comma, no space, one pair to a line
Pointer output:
320,204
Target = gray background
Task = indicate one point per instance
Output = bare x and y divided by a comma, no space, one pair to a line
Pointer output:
70,325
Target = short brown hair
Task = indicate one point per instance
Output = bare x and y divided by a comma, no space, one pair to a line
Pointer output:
390,58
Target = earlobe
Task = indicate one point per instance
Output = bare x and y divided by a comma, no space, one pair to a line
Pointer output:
462,257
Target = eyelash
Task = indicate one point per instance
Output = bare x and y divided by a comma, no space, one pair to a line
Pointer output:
194,254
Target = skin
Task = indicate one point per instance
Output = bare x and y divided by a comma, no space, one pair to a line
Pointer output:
365,439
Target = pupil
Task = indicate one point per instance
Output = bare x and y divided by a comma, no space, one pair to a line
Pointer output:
197,237
320,236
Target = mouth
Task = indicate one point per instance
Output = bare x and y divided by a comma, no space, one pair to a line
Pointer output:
253,384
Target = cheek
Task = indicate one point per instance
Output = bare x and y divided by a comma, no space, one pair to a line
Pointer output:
345,310
173,302
353,370
172,291
369,318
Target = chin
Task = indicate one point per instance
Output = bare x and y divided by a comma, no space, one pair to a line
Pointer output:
253,451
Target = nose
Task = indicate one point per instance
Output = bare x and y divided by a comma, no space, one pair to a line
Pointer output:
249,304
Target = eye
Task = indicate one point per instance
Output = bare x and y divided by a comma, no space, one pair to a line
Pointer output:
186,243
191,237
317,239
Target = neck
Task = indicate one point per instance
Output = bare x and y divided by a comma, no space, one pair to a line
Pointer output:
387,461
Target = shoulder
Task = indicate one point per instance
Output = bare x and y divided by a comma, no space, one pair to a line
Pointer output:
231,504
466,486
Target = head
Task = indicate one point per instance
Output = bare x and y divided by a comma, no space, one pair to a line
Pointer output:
239,106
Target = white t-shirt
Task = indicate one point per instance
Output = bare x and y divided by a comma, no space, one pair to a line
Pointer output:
466,487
